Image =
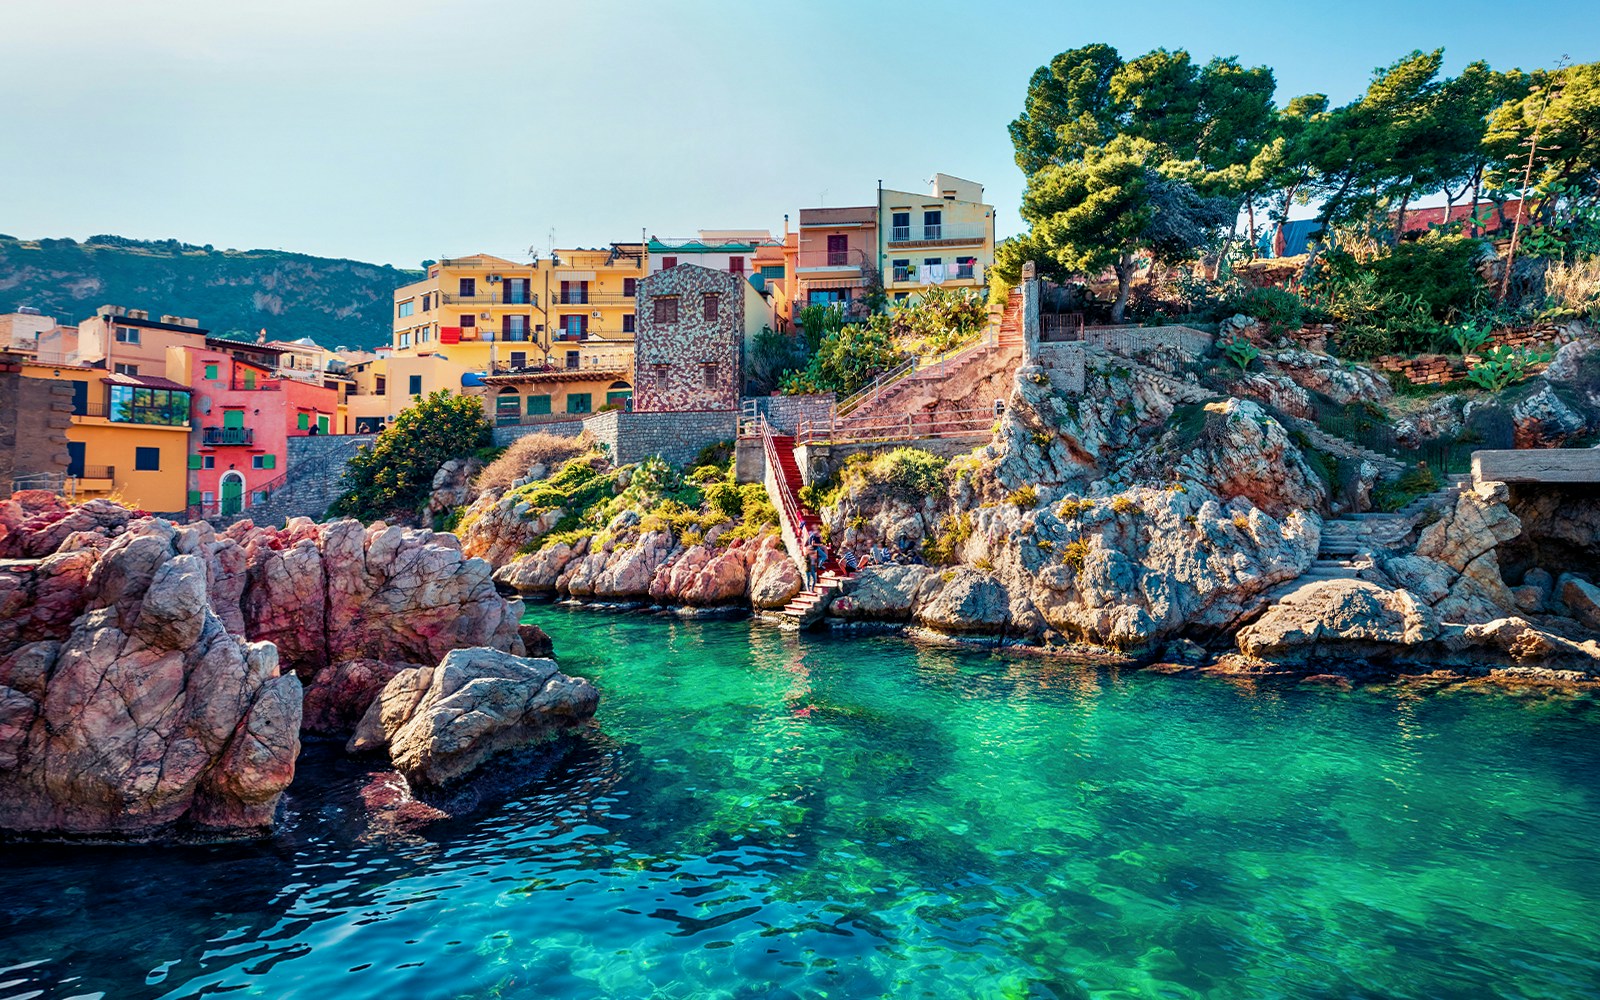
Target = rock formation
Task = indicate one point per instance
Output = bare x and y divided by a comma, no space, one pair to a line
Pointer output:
439,724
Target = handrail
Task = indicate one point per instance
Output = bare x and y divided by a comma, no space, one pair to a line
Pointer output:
788,503
909,427
914,368
856,398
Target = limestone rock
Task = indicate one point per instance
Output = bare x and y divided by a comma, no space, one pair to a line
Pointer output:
968,601
441,723
1335,618
1544,420
452,484
1582,600
535,641
340,694
774,577
1336,379
881,593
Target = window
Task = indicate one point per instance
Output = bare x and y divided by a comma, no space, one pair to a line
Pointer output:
122,369
538,405
902,269
378,387
901,296
147,459
302,421
469,319
630,287
405,340
666,307
211,373
900,226
519,359
667,262
627,322
708,306
322,423
660,374
427,301
932,224
407,307
208,461
414,385
138,405
194,461
572,361
469,287
578,402
268,461
735,265
708,376
208,497
933,262
838,251
575,293
514,327
127,335
965,267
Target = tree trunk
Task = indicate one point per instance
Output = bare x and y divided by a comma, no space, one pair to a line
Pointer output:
1400,218
1250,206
1124,269
1477,179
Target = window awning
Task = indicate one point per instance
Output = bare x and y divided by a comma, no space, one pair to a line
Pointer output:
146,382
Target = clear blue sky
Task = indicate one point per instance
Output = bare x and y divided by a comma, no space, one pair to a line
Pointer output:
394,130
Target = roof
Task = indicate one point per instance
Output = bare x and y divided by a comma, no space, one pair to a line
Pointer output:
857,215
152,324
243,345
145,382
697,245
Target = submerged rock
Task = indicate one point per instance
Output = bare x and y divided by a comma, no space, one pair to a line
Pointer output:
441,723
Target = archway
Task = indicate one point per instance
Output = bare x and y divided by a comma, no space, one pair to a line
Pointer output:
232,493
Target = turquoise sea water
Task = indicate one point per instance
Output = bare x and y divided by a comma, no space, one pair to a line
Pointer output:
761,815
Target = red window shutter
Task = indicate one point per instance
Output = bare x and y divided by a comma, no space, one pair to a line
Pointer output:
667,262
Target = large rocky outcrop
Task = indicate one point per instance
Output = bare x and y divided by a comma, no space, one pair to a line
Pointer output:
330,593
148,719
439,724
1454,567
34,523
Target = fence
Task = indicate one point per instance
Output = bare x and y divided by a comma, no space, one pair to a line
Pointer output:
907,427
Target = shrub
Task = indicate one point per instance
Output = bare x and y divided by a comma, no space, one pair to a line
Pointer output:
954,529
1240,351
726,497
1469,338
525,452
1024,497
1071,508
1278,310
1074,552
393,477
1504,366
909,473
1125,506
846,360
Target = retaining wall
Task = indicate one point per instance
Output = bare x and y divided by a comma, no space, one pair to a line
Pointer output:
313,478
503,436
675,437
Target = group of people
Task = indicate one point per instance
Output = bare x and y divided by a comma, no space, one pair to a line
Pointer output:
818,556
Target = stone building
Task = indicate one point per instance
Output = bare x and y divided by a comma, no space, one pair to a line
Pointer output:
695,325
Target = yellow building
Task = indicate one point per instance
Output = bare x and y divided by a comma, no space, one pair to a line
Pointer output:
129,434
944,237
484,315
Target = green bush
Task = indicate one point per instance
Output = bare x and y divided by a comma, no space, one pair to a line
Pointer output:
846,360
1504,366
394,476
1278,309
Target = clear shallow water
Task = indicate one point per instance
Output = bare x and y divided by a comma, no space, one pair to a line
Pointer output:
765,816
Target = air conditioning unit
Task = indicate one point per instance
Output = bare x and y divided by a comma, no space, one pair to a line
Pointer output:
494,277
483,315
595,314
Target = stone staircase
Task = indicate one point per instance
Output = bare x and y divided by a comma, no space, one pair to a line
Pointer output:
783,482
1347,537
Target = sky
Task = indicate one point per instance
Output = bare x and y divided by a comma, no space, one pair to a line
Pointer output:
398,130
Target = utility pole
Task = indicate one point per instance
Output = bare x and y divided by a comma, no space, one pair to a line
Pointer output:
1527,178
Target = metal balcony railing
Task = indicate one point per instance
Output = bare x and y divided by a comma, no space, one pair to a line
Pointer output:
853,257
490,299
263,383
95,472
942,233
215,436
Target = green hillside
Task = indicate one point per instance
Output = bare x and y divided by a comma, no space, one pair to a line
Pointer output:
231,292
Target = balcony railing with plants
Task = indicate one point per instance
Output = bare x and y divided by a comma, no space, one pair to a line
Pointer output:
215,436
259,384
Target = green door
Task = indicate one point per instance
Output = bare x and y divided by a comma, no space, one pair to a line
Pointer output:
232,495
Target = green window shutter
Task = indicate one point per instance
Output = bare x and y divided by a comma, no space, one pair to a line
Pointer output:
322,424
269,461
302,421
194,461
538,405
211,372
194,497
233,419
578,402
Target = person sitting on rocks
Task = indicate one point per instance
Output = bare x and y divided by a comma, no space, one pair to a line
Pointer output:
849,561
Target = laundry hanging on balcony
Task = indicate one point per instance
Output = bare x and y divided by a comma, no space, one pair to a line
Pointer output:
933,274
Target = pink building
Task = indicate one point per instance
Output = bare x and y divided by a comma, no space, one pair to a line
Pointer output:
835,247
243,418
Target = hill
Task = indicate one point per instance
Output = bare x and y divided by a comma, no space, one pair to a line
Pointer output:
231,292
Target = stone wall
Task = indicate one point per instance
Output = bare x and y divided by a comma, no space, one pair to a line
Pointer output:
1064,363
1424,369
1134,341
313,478
675,437
691,363
34,416
503,436
785,413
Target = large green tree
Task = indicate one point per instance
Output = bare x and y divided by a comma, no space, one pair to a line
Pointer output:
1563,106
1103,210
393,477
1069,108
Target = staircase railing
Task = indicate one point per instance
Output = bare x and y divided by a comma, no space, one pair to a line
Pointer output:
788,504
903,427
871,390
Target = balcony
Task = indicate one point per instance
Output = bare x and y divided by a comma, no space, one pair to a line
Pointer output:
105,472
952,272
491,299
261,384
850,259
592,299
213,437
937,235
